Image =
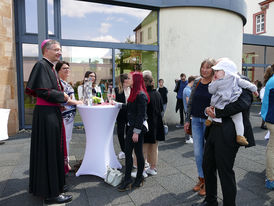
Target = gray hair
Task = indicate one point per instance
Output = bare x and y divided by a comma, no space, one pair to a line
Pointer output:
48,44
147,73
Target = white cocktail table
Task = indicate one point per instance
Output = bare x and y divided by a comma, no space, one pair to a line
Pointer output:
99,123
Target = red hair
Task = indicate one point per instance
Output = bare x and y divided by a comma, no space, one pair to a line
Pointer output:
138,86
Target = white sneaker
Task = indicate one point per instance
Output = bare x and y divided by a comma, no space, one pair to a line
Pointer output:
147,165
151,171
121,155
190,140
145,174
134,174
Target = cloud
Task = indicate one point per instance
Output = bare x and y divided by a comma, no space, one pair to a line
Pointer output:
30,50
106,38
119,19
80,54
78,9
104,28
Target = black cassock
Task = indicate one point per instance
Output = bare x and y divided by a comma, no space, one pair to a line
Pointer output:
46,174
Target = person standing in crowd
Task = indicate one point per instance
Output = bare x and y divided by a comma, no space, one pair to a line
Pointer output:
263,125
95,88
47,150
199,99
163,91
137,120
226,87
121,95
267,113
221,149
155,125
68,113
186,95
179,88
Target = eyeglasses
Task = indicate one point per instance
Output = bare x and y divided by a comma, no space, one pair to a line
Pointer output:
56,50
91,75
66,68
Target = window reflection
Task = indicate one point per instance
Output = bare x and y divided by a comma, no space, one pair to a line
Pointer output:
125,61
30,57
270,55
107,23
83,59
254,73
253,54
32,18
50,17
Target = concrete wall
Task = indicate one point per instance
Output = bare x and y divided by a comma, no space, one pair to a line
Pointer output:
188,35
8,81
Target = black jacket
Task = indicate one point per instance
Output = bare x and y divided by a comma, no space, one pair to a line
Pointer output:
241,105
137,111
155,122
120,97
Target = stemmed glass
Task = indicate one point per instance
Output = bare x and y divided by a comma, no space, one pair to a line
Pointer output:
111,95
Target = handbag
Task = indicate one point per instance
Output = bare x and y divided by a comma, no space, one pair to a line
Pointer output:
113,176
189,131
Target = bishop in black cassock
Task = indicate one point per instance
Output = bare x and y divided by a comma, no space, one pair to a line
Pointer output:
46,174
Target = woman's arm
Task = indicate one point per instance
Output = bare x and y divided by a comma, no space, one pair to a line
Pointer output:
189,104
141,101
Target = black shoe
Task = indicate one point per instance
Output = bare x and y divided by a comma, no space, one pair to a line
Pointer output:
263,127
125,185
2,142
205,203
139,182
58,200
66,188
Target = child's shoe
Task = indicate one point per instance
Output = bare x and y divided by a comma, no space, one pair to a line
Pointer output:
241,140
208,122
269,184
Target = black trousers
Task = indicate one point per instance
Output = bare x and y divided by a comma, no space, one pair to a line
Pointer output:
121,128
138,149
219,156
181,110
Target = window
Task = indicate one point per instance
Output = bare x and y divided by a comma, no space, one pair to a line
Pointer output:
30,57
270,55
259,23
31,16
125,59
149,33
103,23
253,61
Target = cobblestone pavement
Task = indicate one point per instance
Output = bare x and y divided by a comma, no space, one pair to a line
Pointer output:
171,186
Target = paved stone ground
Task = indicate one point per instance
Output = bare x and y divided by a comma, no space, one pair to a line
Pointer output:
172,186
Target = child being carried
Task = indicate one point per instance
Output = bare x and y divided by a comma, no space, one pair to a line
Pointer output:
226,87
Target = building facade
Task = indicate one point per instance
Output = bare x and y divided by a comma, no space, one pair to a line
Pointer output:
8,70
258,48
168,37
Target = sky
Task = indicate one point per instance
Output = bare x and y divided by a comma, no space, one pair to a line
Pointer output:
88,21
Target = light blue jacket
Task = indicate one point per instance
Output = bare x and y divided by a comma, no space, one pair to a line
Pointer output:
267,110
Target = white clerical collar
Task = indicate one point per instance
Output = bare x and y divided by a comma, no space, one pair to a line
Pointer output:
49,60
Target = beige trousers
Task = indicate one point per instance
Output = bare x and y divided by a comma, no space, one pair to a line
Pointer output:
270,153
151,154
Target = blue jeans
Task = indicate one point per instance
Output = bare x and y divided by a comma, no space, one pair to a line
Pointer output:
198,130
